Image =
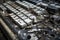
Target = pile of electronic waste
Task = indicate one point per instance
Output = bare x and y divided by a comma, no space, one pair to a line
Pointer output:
33,19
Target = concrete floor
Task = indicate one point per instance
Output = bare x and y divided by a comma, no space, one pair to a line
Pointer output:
1,35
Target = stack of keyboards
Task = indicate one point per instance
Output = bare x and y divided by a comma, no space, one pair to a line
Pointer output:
22,16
